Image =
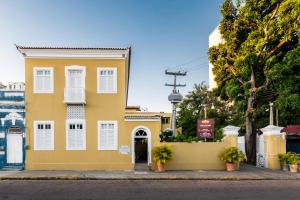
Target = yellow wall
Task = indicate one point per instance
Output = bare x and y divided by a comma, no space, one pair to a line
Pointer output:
196,156
98,107
274,145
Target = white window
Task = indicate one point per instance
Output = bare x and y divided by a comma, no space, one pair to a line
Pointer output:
107,135
43,135
107,80
75,77
76,134
43,80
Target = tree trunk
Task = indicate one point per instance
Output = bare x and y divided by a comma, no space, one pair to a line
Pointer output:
250,137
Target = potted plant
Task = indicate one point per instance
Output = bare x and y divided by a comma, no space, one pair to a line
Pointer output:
162,154
284,161
232,157
294,160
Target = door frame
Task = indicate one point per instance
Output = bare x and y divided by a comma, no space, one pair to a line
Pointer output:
22,146
148,137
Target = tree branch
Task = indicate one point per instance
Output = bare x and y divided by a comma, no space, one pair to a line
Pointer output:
275,12
230,69
280,44
264,86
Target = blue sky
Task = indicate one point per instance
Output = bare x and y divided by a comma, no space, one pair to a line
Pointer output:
162,33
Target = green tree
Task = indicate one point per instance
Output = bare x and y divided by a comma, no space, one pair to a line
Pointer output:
192,108
261,40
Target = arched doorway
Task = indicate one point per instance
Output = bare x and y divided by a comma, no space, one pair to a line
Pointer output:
141,145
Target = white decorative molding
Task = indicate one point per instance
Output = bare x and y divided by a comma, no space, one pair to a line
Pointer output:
13,116
14,103
272,130
142,119
13,94
74,53
12,110
231,130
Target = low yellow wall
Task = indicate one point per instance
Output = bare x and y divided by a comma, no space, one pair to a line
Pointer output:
196,156
274,146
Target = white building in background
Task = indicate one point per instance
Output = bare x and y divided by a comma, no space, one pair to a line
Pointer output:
214,39
12,125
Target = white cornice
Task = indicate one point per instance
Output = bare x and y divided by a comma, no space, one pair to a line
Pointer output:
75,53
141,118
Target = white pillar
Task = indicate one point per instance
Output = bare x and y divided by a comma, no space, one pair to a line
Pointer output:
275,144
231,135
271,130
231,130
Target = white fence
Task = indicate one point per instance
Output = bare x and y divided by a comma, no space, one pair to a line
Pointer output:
241,144
260,151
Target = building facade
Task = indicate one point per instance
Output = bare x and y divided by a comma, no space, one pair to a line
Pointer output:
12,127
76,111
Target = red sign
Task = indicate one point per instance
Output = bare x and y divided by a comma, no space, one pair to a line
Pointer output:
205,128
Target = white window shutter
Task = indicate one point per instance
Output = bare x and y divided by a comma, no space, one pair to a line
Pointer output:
107,80
43,135
43,79
76,134
107,135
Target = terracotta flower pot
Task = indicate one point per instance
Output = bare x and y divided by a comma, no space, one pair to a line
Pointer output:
230,167
294,168
160,167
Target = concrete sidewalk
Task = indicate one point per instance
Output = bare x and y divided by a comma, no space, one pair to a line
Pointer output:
246,173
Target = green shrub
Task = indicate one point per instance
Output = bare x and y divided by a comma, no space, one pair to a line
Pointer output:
166,136
162,153
284,158
294,159
232,155
218,134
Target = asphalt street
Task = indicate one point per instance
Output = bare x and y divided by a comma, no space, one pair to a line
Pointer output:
154,190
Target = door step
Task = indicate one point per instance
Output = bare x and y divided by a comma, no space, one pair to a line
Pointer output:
140,173
12,168
141,167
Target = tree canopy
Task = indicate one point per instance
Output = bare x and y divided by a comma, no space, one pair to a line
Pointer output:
192,108
259,61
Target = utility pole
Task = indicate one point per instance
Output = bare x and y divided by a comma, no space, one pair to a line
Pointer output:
175,97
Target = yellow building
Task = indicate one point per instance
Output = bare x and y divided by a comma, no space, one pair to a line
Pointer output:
77,116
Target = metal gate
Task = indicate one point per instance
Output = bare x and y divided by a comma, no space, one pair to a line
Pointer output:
260,151
241,144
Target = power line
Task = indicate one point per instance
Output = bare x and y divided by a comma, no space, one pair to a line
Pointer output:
188,62
196,67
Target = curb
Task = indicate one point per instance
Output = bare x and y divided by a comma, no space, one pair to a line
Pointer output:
144,178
